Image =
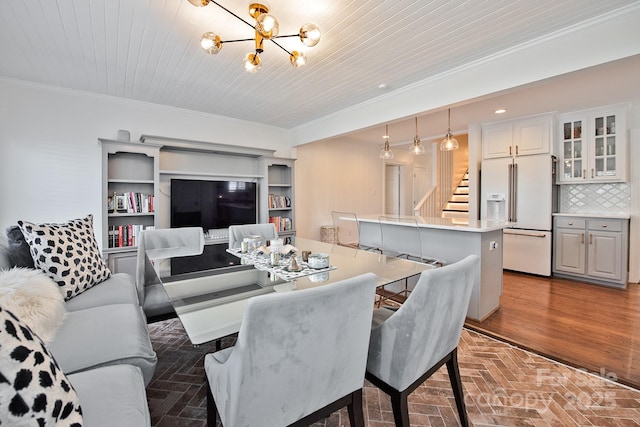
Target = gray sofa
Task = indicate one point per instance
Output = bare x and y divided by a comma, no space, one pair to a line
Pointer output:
103,347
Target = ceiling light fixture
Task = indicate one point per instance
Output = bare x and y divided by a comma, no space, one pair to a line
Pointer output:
500,111
449,142
417,148
386,152
266,27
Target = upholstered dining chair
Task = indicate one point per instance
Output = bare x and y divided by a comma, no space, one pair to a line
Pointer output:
154,246
238,232
408,345
299,356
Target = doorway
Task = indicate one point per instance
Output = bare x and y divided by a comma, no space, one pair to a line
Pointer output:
421,183
392,186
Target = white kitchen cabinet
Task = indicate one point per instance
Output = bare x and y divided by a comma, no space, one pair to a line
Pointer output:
591,248
593,146
522,137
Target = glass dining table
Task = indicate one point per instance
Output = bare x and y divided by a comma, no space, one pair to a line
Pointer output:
210,300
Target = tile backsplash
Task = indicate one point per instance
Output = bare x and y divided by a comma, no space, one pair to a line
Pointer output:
595,198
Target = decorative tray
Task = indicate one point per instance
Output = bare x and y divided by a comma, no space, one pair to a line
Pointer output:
261,262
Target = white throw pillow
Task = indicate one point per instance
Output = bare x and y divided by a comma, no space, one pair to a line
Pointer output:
34,298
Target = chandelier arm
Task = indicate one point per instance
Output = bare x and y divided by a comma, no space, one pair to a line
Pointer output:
237,40
230,12
277,44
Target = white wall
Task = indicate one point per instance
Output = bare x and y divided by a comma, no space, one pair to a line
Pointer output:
335,175
346,176
50,159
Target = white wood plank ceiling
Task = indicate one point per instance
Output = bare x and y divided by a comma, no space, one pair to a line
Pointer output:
148,50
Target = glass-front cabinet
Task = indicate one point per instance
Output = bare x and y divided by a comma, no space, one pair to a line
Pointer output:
593,146
605,147
573,164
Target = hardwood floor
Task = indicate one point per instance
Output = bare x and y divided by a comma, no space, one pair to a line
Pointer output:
583,325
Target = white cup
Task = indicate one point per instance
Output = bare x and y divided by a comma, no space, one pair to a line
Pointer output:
276,245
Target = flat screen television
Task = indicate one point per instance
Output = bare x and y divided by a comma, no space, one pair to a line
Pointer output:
212,204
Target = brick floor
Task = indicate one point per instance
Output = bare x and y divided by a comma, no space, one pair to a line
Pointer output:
503,385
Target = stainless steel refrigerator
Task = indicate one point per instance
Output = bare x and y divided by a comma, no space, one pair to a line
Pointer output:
522,190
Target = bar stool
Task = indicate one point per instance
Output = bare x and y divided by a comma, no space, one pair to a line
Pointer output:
347,231
404,241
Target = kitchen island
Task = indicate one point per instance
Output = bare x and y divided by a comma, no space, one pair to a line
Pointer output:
448,240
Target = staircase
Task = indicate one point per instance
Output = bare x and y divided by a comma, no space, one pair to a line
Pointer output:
458,204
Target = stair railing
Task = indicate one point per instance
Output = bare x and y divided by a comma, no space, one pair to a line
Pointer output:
427,206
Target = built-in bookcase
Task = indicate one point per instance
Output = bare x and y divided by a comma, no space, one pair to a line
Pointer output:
136,192
130,199
280,195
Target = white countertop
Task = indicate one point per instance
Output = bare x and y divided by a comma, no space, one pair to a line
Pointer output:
594,215
456,224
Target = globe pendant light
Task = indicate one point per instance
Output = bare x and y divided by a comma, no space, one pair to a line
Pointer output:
417,148
386,152
449,142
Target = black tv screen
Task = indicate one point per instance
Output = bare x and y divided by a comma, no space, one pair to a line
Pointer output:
212,204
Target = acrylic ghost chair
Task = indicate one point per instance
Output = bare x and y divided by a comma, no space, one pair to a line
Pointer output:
299,357
408,345
347,231
345,225
400,237
403,242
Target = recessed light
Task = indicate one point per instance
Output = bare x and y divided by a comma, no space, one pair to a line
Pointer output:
500,111
383,86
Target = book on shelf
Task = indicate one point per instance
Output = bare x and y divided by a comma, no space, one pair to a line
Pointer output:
131,203
279,202
282,223
121,236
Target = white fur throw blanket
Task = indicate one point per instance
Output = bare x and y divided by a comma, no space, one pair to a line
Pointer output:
34,298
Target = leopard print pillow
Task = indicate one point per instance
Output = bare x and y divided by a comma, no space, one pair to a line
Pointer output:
68,253
33,389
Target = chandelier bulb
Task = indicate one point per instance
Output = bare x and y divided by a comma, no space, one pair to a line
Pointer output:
310,34
267,25
298,59
211,43
252,62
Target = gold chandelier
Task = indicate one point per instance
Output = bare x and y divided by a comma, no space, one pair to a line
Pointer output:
266,28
